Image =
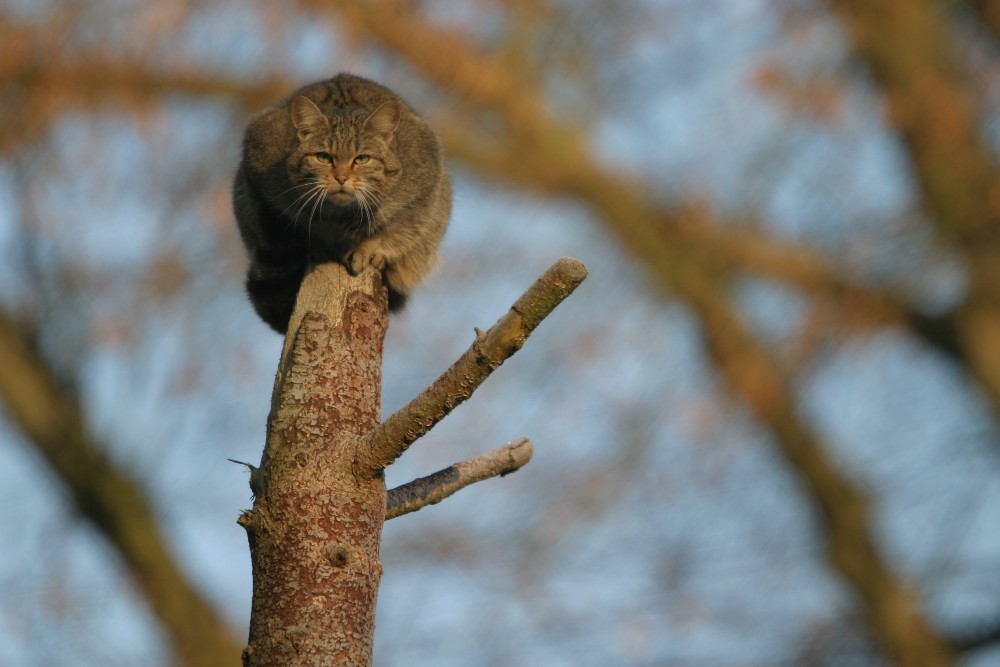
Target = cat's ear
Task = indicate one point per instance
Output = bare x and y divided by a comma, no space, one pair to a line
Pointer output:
384,120
307,118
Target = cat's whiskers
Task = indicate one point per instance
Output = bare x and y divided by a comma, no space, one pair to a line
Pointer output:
364,205
317,192
307,183
313,184
317,205
369,200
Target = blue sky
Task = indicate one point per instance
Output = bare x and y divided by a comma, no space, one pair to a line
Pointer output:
657,523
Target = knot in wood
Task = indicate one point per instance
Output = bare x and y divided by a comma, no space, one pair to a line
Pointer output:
337,554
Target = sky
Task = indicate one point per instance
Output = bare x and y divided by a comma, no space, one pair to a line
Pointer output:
656,525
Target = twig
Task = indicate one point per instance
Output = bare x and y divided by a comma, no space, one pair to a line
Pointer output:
434,488
387,442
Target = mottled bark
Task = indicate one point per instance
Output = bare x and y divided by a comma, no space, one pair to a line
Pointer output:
316,522
320,497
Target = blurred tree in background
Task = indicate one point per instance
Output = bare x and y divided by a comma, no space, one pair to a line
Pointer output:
765,429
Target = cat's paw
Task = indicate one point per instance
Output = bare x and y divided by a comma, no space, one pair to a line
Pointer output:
365,254
355,262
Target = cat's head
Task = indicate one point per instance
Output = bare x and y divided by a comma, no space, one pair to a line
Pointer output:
350,156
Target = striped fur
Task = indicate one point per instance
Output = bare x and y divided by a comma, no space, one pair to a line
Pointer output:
341,170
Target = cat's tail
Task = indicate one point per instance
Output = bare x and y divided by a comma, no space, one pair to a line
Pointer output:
396,300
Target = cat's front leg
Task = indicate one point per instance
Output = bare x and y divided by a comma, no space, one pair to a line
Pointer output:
369,251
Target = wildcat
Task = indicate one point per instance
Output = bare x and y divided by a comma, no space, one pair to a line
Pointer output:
341,170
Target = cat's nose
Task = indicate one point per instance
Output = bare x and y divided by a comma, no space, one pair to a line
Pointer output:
341,179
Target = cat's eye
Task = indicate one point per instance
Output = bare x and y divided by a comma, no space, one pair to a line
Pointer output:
323,157
361,159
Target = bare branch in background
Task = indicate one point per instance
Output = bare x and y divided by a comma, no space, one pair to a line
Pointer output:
543,153
110,499
505,126
557,157
908,47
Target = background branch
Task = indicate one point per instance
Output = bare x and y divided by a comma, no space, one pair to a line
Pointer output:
911,53
789,263
557,155
544,152
110,500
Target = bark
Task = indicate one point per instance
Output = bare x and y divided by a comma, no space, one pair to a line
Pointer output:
434,488
316,522
490,349
320,497
50,417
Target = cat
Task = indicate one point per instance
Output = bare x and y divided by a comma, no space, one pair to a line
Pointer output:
341,170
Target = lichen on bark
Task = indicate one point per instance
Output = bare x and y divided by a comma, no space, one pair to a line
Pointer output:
320,496
307,609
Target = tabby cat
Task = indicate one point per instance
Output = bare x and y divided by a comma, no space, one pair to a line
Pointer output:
341,170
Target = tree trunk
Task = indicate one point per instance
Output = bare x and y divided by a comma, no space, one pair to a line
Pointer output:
316,522
320,496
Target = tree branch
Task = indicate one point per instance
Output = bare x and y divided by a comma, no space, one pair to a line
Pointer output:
434,488
84,79
988,12
51,419
388,441
540,151
980,639
698,274
913,60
